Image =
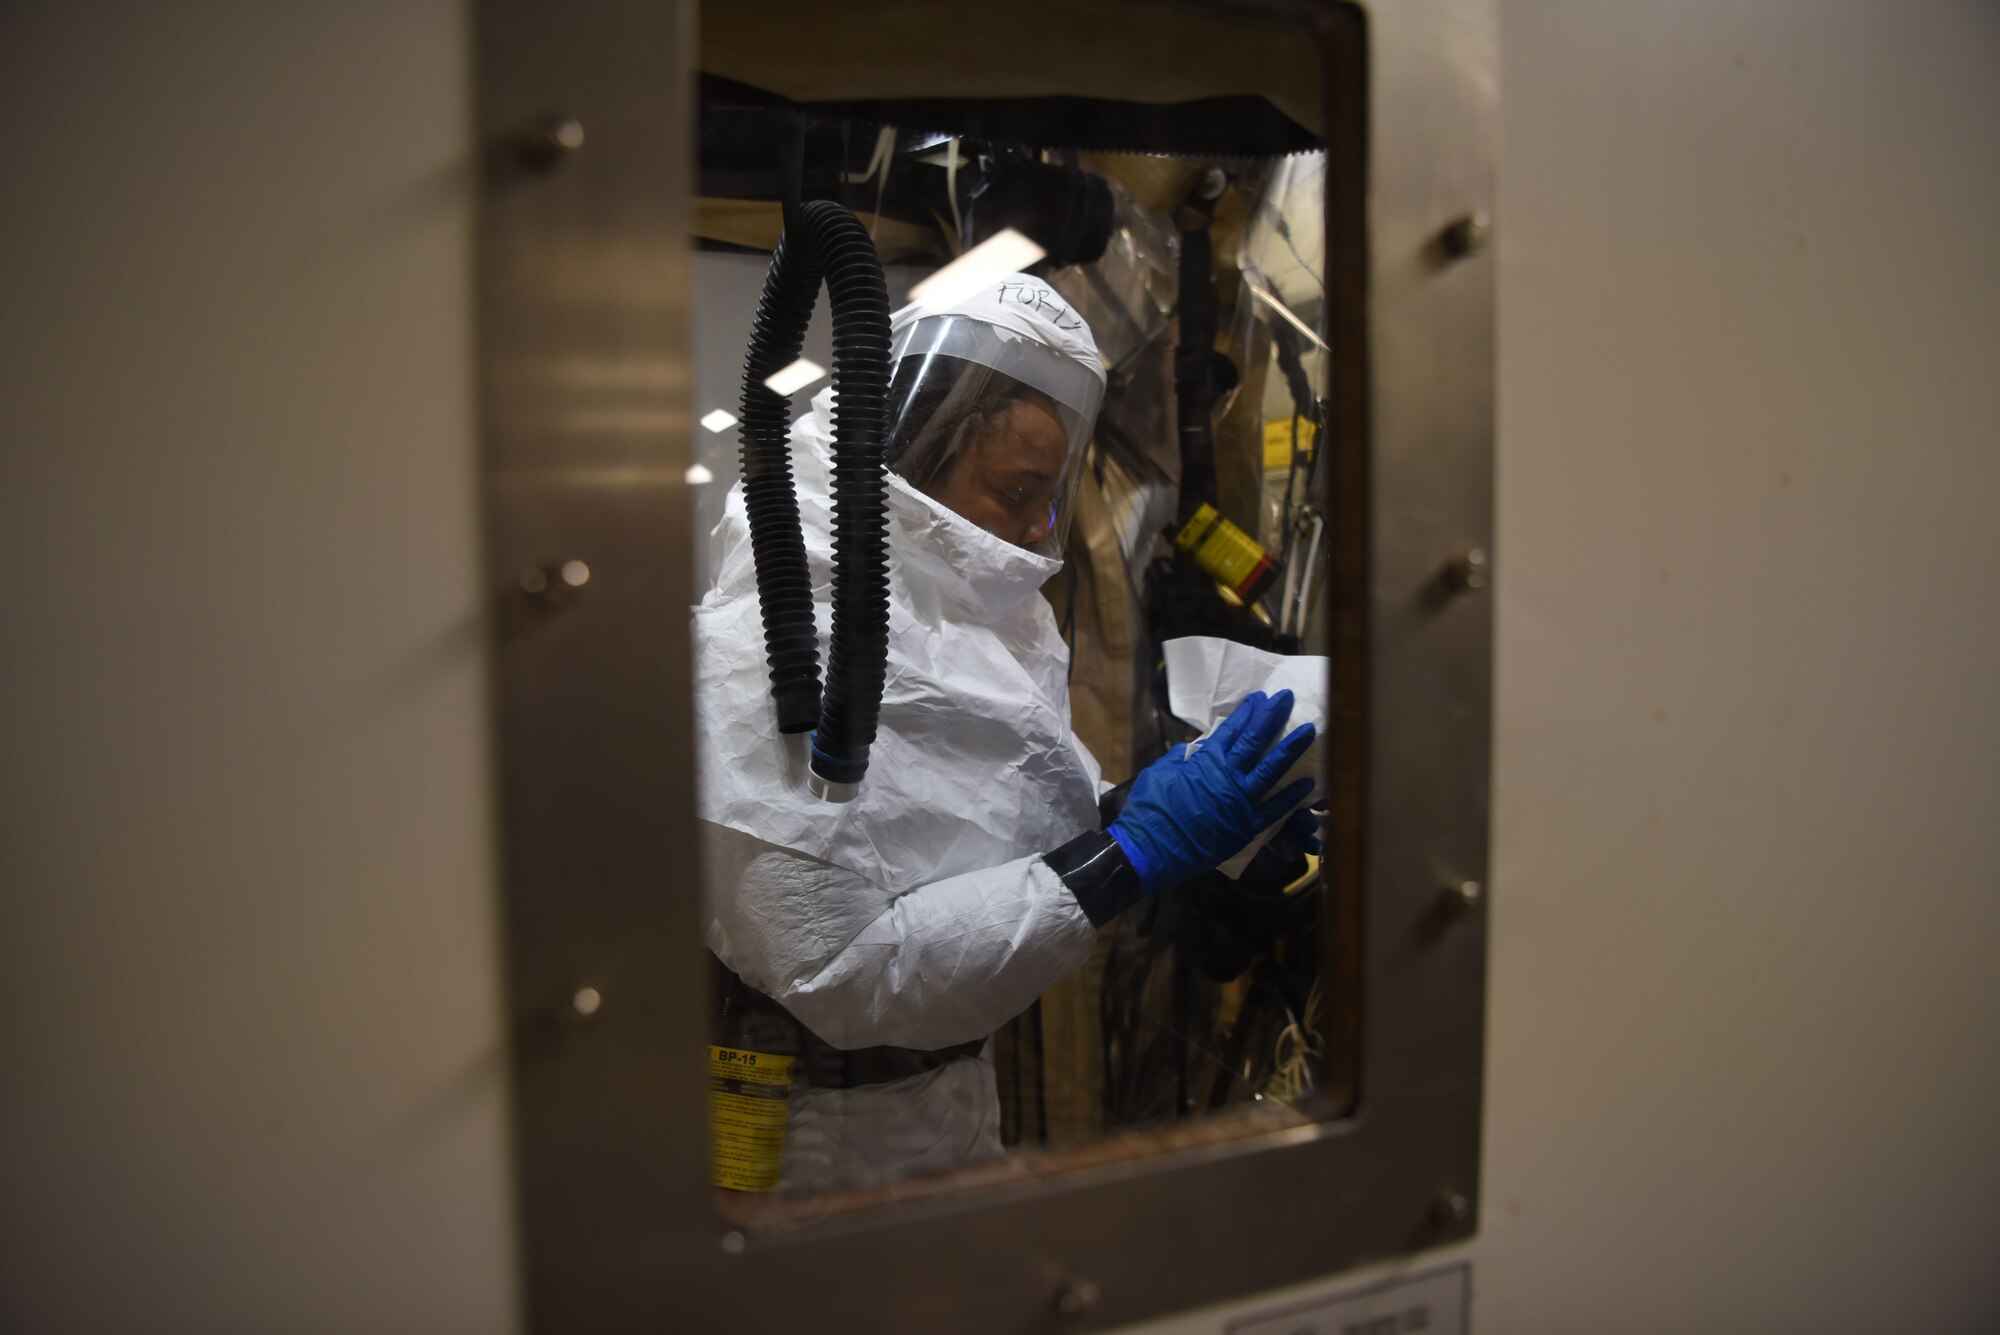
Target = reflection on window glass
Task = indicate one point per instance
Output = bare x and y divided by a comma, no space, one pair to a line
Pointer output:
1009,673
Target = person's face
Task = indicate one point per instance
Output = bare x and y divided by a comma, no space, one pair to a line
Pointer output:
1005,481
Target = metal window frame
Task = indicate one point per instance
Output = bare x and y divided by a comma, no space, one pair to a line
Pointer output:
583,365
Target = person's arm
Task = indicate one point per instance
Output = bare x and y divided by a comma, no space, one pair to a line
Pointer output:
945,963
951,961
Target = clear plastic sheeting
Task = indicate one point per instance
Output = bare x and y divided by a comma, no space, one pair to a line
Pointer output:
1283,263
1127,294
1285,243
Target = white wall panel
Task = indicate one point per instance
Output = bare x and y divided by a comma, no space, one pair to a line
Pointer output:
1742,1064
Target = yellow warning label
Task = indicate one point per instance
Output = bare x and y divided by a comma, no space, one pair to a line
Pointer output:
1278,443
1225,553
1196,528
1230,556
749,1094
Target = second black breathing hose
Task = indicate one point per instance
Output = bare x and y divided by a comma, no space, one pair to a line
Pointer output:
826,244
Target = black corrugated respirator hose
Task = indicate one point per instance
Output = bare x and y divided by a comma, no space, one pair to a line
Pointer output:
825,244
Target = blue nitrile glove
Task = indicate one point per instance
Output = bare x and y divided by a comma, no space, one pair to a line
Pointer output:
1190,813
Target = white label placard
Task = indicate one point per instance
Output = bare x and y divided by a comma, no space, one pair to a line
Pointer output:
1433,1303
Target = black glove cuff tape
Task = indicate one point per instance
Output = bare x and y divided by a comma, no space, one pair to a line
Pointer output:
1112,803
1098,873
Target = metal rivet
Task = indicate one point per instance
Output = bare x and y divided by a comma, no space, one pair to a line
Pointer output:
1467,235
1451,1207
1079,1297
1470,572
732,1242
1463,897
587,1002
1213,182
552,140
551,584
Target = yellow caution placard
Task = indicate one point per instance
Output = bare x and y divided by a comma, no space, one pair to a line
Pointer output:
749,1094
1278,443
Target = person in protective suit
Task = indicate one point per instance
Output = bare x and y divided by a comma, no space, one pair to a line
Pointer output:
883,939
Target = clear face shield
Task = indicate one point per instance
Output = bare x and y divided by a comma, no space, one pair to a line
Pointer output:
992,426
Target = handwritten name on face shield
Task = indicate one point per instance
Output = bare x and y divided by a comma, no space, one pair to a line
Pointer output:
986,263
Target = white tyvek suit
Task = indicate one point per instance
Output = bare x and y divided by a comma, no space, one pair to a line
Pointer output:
919,915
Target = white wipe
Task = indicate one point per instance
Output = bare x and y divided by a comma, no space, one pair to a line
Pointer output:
1207,678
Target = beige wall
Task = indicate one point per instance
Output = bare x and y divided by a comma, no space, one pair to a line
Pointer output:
1744,1065
250,1073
